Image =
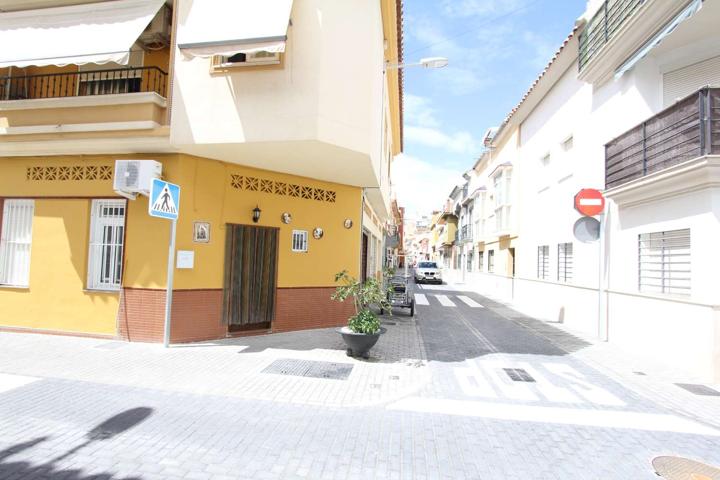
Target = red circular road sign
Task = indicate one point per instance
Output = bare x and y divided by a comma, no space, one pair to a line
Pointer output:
590,202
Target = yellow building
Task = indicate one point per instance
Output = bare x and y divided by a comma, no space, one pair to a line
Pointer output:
294,124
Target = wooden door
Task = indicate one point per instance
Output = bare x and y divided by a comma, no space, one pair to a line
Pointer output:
250,277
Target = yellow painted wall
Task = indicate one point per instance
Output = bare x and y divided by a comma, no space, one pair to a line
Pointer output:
207,196
56,298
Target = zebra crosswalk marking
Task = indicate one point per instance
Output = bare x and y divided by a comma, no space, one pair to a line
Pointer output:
469,301
421,299
445,301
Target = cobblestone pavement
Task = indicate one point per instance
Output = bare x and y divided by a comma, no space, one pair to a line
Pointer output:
435,401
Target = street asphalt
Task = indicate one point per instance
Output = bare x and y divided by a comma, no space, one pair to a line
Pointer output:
491,399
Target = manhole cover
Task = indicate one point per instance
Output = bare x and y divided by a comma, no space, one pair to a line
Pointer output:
698,389
518,375
309,368
678,468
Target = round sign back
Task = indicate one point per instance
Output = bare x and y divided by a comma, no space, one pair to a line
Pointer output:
590,202
587,229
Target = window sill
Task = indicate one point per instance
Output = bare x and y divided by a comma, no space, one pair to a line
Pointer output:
101,290
15,287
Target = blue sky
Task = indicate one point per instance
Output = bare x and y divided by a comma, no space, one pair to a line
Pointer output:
496,49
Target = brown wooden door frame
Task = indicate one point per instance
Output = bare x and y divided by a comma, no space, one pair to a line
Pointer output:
364,256
232,300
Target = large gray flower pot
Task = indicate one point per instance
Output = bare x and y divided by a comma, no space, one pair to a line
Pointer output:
359,344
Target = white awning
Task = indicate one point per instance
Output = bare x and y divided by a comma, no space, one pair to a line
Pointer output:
78,34
687,12
227,27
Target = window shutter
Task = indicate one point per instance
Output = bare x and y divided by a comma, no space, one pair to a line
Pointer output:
15,242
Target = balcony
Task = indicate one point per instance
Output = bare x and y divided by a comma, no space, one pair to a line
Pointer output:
603,26
82,101
688,129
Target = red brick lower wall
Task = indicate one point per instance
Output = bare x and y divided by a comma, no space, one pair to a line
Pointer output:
197,314
311,307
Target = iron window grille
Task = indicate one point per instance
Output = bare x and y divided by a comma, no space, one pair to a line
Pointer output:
543,262
15,241
565,262
299,241
107,239
664,262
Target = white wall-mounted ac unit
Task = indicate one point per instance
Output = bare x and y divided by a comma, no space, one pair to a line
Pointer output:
157,32
135,176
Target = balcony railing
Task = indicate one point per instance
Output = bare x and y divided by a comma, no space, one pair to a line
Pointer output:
602,27
80,84
688,129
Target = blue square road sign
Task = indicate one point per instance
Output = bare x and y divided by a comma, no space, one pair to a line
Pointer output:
164,200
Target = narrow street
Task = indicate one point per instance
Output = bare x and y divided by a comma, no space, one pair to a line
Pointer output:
492,398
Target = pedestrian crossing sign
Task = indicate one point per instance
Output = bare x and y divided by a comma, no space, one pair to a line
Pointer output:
164,200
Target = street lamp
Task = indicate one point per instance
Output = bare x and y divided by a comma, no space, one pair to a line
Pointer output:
429,62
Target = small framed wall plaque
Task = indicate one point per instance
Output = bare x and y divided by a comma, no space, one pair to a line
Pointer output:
201,232
318,233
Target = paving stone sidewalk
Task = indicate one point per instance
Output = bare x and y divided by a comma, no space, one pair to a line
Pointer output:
231,367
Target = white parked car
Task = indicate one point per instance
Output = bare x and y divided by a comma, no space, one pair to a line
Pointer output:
428,272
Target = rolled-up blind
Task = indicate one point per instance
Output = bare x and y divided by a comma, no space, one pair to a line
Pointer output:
682,82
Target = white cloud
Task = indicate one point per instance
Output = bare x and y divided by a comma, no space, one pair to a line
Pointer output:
541,49
421,187
418,111
480,8
457,142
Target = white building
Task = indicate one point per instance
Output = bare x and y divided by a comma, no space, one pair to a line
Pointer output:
621,108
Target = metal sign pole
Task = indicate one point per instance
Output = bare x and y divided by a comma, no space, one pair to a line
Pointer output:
602,315
170,274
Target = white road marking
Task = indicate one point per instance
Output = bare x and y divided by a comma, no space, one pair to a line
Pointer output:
469,301
567,416
445,301
11,382
421,299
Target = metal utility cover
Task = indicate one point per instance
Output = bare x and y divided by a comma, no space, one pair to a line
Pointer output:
698,389
518,375
309,368
678,468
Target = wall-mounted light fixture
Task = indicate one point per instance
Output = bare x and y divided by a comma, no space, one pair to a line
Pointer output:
256,214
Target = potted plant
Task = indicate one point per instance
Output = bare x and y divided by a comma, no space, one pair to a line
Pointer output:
363,329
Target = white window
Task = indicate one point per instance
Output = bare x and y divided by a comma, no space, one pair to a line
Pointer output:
15,241
481,260
491,261
565,262
107,237
566,144
299,241
664,262
543,262
545,160
502,182
248,59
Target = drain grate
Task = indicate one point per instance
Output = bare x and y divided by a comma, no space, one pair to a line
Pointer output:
518,375
309,368
698,389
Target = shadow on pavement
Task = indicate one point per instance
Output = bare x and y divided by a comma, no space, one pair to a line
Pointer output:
108,429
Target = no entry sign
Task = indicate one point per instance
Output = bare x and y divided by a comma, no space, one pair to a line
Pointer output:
590,202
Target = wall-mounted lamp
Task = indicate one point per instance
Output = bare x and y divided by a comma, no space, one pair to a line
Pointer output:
256,214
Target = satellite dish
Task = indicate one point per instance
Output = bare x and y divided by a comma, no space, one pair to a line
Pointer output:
587,229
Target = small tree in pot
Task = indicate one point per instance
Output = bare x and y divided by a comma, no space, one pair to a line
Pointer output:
363,329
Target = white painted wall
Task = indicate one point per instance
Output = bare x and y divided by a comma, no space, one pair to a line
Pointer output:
684,332
319,116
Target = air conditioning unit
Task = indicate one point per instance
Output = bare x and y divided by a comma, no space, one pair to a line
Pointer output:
135,176
157,32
